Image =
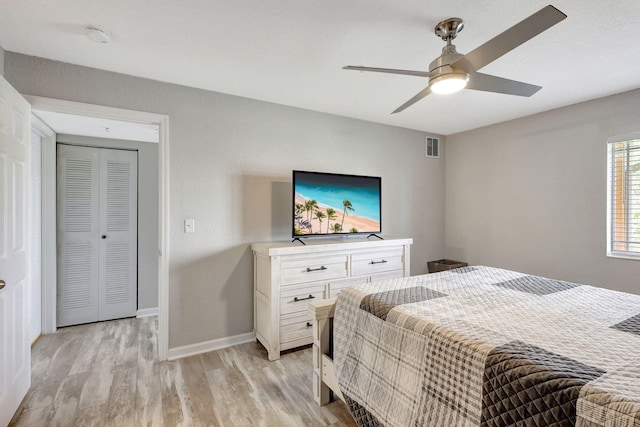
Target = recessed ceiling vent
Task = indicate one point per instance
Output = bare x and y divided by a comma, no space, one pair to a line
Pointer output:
432,147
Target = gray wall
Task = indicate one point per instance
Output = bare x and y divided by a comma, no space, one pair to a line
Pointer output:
230,169
530,194
147,210
1,61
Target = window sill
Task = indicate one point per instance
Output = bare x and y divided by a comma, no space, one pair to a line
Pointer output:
624,255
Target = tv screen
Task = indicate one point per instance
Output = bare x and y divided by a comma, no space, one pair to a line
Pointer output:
328,203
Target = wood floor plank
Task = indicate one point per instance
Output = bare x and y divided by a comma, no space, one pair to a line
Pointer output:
200,398
66,401
96,389
149,416
90,416
88,351
211,361
173,408
64,357
122,398
226,386
107,373
34,417
42,395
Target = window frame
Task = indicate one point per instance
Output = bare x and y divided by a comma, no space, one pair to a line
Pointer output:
611,252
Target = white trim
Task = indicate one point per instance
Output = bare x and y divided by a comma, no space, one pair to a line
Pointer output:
624,137
608,212
147,312
163,239
78,108
207,346
611,253
92,110
623,255
48,225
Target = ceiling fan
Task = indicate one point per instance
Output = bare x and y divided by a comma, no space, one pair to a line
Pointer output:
453,71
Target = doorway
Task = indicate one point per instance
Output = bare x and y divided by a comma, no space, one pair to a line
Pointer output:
97,208
161,189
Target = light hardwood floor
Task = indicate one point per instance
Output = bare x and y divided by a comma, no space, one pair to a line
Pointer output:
107,373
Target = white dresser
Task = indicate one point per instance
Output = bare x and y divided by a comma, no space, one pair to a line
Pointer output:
289,275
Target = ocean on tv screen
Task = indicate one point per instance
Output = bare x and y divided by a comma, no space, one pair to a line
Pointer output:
324,209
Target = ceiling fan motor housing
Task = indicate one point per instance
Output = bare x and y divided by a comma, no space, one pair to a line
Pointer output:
440,65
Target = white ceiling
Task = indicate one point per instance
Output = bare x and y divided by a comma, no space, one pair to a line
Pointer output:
291,51
72,124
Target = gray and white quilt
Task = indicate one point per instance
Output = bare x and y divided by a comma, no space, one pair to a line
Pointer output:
480,346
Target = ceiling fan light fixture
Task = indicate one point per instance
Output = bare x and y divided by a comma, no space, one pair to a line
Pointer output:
446,84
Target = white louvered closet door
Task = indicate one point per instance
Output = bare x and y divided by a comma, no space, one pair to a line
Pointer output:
97,234
119,235
78,229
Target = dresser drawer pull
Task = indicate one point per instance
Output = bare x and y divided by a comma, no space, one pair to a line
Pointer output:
379,262
316,269
296,299
309,324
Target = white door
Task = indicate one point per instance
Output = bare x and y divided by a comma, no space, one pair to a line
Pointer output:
97,234
118,276
15,355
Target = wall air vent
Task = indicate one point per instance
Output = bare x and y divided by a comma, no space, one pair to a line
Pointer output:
432,147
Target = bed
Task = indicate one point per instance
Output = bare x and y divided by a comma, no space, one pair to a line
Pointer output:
480,346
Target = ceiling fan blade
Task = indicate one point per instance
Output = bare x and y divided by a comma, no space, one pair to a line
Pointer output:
525,30
488,83
388,70
424,92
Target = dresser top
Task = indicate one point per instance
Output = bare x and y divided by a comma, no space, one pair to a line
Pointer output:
313,245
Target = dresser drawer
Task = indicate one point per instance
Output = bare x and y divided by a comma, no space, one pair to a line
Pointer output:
398,274
296,299
337,286
376,262
314,269
295,327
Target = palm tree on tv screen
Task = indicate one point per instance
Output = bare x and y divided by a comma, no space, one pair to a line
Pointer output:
319,216
347,207
297,218
309,206
331,216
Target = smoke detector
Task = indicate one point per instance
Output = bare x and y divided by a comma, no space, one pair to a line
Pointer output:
97,34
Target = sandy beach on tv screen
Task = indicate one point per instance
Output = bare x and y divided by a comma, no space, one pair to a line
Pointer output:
351,220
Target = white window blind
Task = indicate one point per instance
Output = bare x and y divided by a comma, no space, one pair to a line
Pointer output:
623,213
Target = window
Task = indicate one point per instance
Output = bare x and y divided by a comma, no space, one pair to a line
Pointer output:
432,146
623,198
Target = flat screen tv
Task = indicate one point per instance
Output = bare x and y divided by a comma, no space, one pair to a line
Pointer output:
328,204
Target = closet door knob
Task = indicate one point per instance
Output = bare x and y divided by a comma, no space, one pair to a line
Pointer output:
104,236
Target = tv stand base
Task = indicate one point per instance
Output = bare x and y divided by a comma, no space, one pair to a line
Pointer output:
375,235
298,239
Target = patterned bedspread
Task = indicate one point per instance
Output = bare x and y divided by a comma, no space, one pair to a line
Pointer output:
480,346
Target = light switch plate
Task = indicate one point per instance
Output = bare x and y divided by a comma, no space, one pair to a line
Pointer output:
189,225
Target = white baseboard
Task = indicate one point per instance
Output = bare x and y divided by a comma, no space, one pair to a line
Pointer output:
204,347
146,312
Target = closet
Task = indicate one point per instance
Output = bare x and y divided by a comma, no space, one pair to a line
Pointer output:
97,191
